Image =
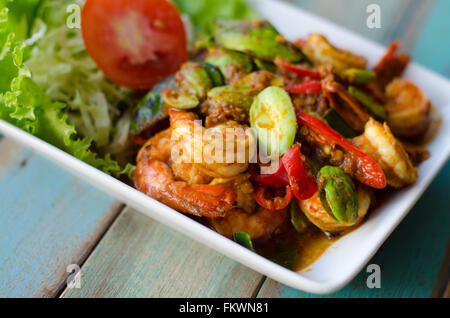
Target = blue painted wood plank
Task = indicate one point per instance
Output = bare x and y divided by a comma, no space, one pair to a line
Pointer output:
139,257
48,220
412,257
141,277
140,271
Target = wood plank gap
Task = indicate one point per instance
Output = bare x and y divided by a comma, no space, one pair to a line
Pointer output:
443,277
258,287
119,209
393,32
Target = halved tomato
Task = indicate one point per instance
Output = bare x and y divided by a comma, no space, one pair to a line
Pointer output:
135,43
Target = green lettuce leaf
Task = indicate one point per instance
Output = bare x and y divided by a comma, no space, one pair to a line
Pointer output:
25,105
54,91
21,15
202,12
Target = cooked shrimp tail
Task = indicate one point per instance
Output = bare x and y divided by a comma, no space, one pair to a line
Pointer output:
155,178
379,143
185,134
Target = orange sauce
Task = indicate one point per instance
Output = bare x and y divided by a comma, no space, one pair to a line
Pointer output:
312,245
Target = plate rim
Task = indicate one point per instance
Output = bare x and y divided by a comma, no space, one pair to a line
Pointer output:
198,232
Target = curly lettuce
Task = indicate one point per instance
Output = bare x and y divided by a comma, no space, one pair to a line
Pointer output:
51,88
27,105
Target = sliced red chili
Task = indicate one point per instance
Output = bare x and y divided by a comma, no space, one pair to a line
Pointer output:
267,201
298,70
278,179
308,88
368,171
302,184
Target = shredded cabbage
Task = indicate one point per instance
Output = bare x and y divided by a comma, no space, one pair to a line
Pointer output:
58,94
64,71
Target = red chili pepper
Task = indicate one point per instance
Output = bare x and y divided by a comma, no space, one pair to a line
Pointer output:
300,71
303,185
368,171
308,88
278,179
274,203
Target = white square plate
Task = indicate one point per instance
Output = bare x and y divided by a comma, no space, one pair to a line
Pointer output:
345,259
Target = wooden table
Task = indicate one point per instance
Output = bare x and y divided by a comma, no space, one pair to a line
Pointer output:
50,219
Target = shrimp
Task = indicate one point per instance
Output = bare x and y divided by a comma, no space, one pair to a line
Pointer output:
154,177
321,52
379,143
243,188
262,224
209,149
189,173
408,108
317,214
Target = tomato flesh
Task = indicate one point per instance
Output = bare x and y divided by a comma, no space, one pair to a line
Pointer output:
308,88
135,43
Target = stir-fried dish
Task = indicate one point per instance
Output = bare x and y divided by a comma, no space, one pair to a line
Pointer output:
338,130
282,146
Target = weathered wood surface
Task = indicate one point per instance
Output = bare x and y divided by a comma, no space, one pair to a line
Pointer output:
139,257
48,220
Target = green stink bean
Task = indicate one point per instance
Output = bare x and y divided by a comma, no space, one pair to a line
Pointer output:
259,39
358,76
230,63
193,77
338,194
239,96
375,108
